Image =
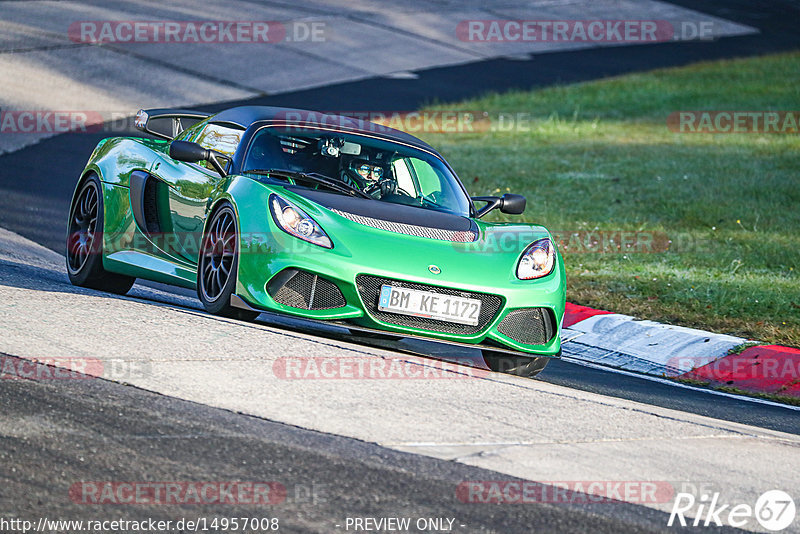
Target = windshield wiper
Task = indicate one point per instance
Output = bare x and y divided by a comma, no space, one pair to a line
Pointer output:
314,178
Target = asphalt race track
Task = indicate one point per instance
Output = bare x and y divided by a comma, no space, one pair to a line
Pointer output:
36,193
210,410
98,426
214,407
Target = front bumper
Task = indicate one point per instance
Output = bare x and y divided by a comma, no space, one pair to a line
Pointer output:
257,271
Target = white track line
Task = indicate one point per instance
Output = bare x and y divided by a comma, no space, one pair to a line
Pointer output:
680,385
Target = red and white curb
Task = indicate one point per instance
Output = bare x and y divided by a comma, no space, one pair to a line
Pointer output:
623,342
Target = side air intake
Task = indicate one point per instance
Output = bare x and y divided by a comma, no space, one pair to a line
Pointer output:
301,289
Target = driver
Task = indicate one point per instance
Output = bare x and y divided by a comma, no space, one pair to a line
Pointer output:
371,177
370,173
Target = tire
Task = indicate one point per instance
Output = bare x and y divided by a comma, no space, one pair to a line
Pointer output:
501,362
218,264
85,242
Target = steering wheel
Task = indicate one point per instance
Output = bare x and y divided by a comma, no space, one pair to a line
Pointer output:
387,186
400,191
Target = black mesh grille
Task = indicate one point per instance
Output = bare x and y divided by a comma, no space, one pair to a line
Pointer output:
302,289
369,287
150,206
327,296
465,236
531,326
296,291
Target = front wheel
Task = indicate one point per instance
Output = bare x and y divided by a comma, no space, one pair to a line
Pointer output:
501,362
85,242
218,265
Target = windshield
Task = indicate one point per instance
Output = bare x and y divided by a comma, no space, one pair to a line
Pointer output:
383,170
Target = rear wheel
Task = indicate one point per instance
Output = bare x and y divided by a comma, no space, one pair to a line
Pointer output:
85,242
218,265
501,362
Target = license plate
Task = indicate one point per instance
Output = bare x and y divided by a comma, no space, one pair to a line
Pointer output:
430,305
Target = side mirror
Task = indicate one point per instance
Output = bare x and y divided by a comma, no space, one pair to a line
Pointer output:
192,153
508,203
512,204
188,152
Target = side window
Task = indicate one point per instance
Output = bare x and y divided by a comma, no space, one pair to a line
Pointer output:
404,180
187,135
429,181
268,151
221,139
434,186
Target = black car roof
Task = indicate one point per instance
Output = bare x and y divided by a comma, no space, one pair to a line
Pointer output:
244,116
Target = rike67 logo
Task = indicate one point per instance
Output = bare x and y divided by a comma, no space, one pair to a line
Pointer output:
774,510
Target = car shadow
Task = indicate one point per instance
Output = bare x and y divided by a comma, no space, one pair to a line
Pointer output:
21,275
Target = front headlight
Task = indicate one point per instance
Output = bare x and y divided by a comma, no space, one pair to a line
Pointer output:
294,221
537,260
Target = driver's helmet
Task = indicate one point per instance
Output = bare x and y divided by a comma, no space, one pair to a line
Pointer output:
368,171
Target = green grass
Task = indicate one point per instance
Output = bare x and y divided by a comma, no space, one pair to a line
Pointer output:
599,155
738,349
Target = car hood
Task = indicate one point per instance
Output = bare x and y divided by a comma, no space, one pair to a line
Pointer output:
386,211
440,230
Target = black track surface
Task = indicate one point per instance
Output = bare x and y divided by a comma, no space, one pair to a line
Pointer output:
56,433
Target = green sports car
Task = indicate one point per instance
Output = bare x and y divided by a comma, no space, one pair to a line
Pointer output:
324,217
